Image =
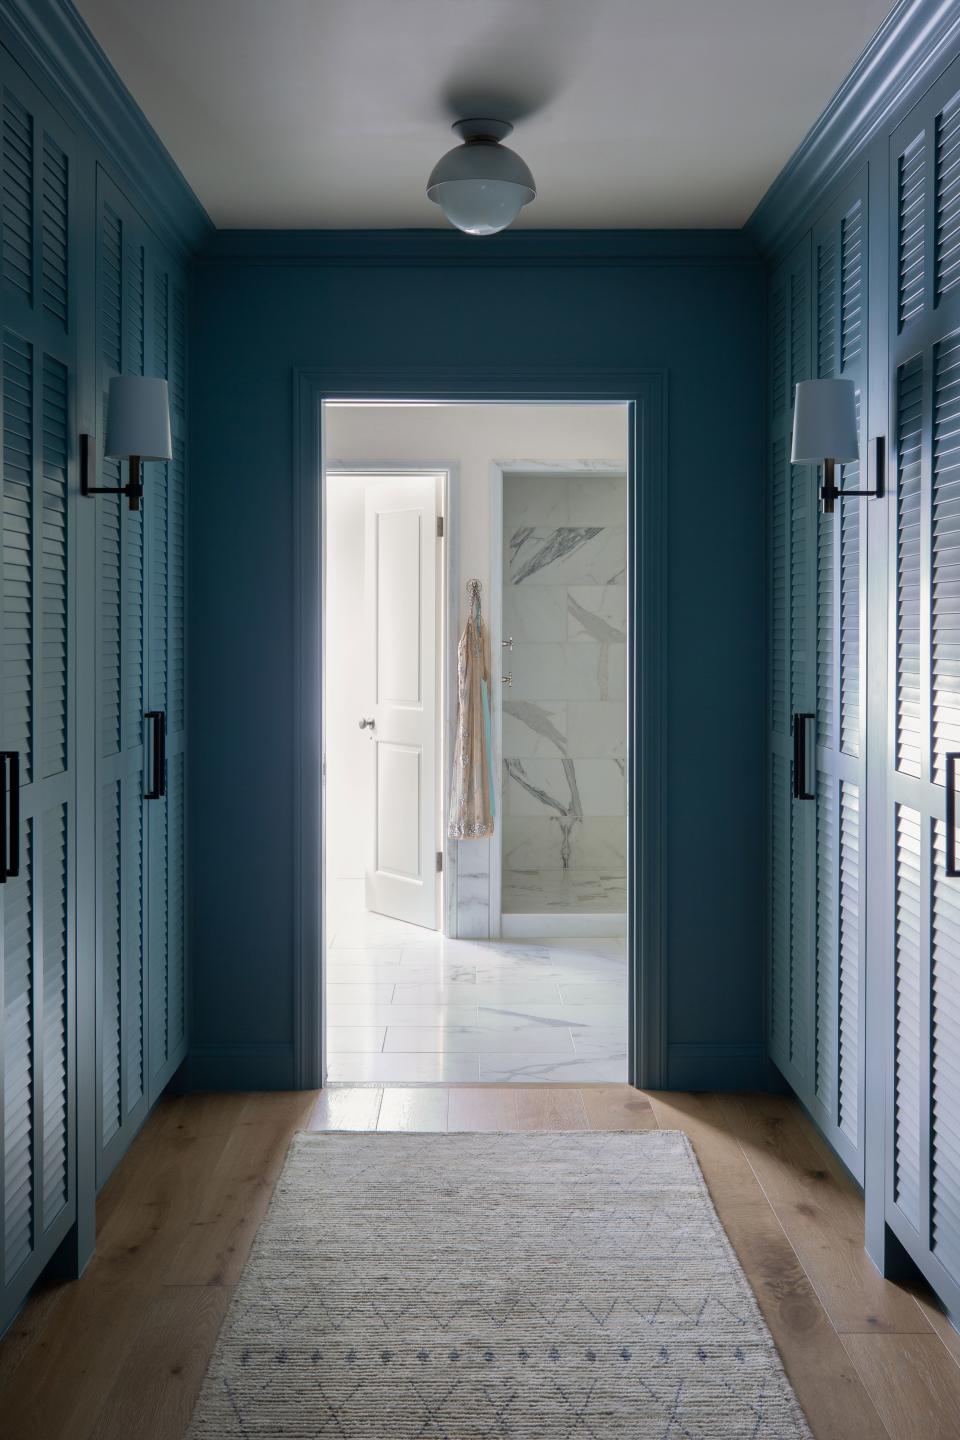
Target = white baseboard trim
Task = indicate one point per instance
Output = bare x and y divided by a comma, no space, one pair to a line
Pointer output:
554,926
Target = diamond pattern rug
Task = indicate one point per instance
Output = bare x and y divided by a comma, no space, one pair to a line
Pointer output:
469,1286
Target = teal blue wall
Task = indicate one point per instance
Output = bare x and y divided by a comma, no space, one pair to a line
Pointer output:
263,304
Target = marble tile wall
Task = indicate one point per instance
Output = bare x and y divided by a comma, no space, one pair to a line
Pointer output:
564,733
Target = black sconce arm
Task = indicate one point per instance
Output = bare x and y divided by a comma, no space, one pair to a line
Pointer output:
830,492
133,488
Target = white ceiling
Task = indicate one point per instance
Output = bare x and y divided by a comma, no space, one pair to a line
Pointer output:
631,113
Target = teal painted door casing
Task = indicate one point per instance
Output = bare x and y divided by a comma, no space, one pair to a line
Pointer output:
93,989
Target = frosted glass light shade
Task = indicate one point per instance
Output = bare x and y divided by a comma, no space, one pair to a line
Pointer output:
825,422
138,418
481,186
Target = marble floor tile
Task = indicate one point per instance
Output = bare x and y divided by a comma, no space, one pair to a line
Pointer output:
377,1013
600,1044
362,958
422,1008
359,931
458,992
476,1039
424,1069
355,1037
363,971
573,1017
592,994
507,1068
358,993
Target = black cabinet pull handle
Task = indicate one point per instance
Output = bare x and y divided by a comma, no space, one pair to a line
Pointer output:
800,791
3,816
158,788
9,815
950,868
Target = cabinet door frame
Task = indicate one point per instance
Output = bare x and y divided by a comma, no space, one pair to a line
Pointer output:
49,333
841,767
920,319
123,768
792,553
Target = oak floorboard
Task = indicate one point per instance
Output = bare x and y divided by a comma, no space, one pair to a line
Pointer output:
914,1382
822,1213
617,1107
550,1109
59,1387
489,1109
828,1386
154,1394
217,1237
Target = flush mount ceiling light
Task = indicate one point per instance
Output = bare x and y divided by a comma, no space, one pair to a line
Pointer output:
481,186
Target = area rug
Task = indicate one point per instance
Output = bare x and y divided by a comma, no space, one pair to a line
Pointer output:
527,1286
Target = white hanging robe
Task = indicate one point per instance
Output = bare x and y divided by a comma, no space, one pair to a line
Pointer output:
472,794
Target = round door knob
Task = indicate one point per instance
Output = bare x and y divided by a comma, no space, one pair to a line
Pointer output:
364,724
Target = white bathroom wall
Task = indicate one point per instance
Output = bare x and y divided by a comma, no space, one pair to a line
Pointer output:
473,438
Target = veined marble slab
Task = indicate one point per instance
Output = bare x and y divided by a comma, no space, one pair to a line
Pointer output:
530,728
594,729
535,500
545,785
534,613
531,846
569,670
597,500
567,555
598,613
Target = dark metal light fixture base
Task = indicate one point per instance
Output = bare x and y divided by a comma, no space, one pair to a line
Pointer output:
133,488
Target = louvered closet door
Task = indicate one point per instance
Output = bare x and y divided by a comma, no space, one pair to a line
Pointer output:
37,902
840,349
120,655
166,686
923,923
792,645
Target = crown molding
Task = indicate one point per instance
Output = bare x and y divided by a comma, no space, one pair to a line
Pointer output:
914,44
51,37
515,249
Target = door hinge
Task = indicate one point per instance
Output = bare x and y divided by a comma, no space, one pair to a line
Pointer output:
439,527
439,861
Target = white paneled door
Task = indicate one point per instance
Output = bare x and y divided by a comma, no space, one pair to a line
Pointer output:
401,717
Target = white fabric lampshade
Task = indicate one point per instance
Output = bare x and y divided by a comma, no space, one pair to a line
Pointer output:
825,422
138,418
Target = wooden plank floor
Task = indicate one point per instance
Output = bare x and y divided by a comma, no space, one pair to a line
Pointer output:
120,1355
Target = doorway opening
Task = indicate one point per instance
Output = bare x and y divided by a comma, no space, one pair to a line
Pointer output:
500,959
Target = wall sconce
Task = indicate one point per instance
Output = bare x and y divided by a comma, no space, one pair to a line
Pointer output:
825,432
138,429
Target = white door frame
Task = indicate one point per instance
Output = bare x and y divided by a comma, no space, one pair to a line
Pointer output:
448,576
498,469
